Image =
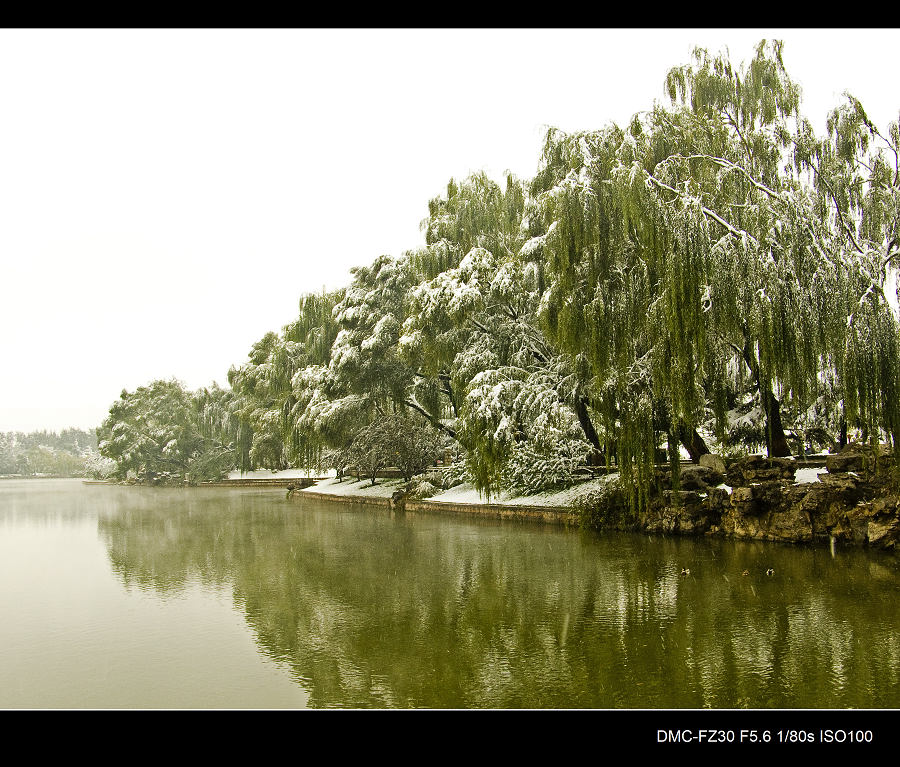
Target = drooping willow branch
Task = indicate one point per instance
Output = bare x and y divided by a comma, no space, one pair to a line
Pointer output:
739,234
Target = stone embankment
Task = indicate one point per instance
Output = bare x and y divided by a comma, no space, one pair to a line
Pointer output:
289,483
400,500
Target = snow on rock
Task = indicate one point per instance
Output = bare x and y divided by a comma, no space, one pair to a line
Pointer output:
804,476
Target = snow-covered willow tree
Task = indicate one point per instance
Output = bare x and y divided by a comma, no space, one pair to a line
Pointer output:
855,172
264,387
601,256
315,329
365,379
163,432
472,337
476,212
364,376
445,338
814,229
690,253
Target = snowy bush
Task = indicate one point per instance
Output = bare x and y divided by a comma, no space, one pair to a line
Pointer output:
419,487
456,474
408,444
97,466
532,470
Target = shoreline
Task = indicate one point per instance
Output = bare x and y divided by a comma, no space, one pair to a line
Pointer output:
851,501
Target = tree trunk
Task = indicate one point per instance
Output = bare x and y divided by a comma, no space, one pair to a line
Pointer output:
692,441
776,441
596,458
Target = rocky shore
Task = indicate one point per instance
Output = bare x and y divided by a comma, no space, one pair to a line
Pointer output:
855,501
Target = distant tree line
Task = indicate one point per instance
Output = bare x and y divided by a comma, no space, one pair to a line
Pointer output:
711,276
69,453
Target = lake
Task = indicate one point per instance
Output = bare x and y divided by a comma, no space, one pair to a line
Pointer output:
131,597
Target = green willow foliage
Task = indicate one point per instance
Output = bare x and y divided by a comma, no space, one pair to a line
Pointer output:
712,268
688,253
266,392
164,433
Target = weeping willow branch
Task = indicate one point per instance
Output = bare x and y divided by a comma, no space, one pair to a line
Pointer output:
739,234
730,166
737,129
847,228
433,421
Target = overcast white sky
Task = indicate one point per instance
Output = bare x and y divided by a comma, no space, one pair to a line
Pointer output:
167,195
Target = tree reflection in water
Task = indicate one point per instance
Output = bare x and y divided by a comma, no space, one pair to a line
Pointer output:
368,608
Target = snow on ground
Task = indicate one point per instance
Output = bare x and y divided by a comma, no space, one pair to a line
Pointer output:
464,493
383,488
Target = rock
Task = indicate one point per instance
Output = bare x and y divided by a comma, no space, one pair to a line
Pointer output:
859,509
681,497
718,499
771,496
679,511
883,523
883,533
851,458
847,488
699,478
693,478
742,505
758,468
741,495
792,524
714,462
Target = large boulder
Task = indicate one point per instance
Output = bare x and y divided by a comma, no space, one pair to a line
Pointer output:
883,523
851,458
844,486
714,462
693,477
872,463
764,511
758,468
680,511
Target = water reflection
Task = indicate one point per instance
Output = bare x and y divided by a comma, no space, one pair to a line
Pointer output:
368,608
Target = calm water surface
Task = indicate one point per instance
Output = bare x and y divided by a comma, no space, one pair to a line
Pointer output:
114,597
